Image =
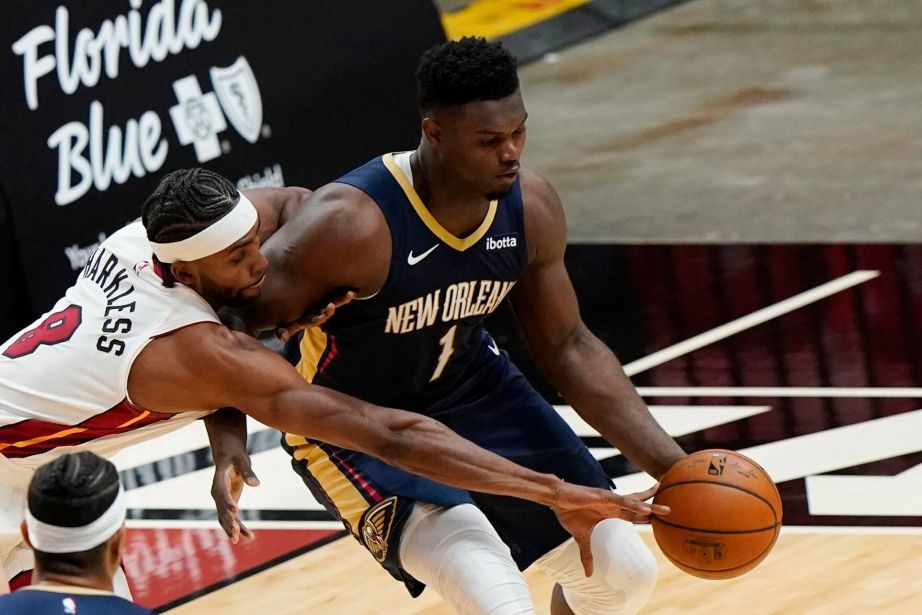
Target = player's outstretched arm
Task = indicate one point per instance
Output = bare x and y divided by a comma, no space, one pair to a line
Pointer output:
577,363
207,366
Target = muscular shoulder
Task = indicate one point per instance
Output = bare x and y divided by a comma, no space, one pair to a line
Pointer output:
339,234
337,211
545,222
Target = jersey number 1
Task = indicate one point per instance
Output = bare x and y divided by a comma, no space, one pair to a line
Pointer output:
57,328
448,348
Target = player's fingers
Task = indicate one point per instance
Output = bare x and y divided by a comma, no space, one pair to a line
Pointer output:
636,507
246,532
245,467
639,518
228,524
343,300
222,492
286,331
318,319
646,495
585,554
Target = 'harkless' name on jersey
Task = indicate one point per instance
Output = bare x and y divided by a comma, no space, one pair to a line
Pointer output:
118,299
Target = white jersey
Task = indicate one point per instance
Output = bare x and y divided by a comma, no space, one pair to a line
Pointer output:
64,378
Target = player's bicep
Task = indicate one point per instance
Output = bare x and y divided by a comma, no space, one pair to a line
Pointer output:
545,307
543,299
189,369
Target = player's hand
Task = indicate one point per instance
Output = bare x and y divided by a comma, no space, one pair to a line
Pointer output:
579,509
313,319
230,475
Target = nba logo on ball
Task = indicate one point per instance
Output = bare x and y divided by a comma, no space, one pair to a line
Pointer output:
725,514
716,467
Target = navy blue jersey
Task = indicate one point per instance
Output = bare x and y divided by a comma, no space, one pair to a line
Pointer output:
421,338
61,600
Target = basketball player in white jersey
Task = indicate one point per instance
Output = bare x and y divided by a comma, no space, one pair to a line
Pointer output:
135,349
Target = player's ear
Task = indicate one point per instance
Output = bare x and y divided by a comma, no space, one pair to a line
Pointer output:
25,534
183,272
115,549
432,132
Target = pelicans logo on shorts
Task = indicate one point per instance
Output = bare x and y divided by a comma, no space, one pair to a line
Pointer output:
376,527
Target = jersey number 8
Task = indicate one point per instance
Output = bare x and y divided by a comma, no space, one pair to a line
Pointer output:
57,328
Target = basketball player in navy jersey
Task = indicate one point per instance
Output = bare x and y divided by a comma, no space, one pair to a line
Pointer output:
136,350
432,241
75,522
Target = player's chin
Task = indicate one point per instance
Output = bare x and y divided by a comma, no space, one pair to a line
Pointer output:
498,192
250,294
245,296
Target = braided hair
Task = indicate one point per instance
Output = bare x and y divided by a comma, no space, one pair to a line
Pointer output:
467,70
72,491
186,202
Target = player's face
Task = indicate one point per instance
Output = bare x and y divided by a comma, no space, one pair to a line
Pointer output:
481,143
235,275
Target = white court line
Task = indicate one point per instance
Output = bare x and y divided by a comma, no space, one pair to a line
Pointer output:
750,320
872,392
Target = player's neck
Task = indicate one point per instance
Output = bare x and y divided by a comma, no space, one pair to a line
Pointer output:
91,581
459,210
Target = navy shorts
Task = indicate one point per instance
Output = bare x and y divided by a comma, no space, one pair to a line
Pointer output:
500,411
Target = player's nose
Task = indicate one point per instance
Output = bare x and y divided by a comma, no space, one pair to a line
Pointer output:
259,263
510,151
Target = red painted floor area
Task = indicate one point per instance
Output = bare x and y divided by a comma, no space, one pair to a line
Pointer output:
167,565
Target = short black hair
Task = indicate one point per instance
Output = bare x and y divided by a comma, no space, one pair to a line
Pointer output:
463,71
186,202
72,491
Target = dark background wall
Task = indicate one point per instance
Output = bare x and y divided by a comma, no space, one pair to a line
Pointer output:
276,93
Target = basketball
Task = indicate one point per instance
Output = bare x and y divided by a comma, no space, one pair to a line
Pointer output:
725,518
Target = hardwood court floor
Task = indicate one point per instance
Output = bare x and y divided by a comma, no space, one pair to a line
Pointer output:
812,572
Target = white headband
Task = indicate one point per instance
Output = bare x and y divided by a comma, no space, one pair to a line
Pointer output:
57,539
221,234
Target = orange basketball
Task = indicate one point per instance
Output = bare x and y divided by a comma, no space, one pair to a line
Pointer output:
726,514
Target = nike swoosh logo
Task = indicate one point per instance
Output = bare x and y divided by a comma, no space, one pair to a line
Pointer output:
493,347
412,260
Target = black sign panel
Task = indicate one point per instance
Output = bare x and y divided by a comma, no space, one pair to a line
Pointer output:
101,99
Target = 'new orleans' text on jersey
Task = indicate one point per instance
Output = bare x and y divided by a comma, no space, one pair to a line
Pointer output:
420,339
461,300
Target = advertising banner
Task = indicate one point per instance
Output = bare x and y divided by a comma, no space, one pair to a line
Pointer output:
101,99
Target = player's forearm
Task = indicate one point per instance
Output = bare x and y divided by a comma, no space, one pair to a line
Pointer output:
428,448
591,379
227,432
409,441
